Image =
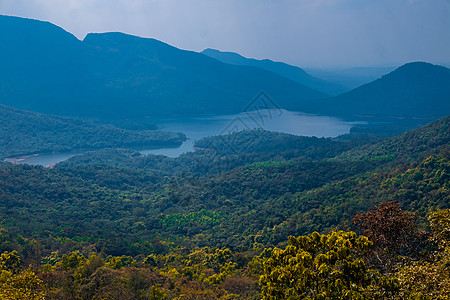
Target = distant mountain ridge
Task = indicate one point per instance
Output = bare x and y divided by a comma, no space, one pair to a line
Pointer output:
292,72
351,78
114,75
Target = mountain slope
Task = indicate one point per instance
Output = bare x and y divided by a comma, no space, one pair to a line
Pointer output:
115,75
40,62
414,91
294,73
23,132
162,79
408,146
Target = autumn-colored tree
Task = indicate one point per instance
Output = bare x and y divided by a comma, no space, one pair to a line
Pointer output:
393,232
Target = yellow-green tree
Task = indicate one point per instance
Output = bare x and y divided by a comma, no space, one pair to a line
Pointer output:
23,285
429,278
16,284
318,266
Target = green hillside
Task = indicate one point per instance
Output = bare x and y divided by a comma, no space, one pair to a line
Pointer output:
244,194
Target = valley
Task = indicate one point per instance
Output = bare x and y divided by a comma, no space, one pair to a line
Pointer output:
133,169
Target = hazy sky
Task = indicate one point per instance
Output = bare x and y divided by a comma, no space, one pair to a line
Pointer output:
307,33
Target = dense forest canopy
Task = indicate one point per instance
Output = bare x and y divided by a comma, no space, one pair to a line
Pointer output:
112,223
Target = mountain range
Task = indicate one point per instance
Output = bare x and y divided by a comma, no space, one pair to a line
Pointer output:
115,76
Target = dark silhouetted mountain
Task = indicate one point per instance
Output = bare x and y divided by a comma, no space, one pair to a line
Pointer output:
24,132
294,73
42,66
114,75
410,93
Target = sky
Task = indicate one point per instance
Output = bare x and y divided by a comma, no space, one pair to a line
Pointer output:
306,33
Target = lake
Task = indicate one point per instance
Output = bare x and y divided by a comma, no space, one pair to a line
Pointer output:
196,128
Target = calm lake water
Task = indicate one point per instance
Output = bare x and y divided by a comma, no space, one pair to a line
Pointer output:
274,120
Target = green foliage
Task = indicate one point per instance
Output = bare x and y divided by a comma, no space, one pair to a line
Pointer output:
71,261
143,210
318,267
222,153
202,217
407,147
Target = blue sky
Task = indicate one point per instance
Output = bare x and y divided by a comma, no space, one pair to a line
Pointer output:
307,33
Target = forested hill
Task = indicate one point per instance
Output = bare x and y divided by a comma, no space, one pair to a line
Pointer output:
416,92
409,146
24,132
114,75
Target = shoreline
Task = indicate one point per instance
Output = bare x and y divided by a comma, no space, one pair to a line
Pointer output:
18,159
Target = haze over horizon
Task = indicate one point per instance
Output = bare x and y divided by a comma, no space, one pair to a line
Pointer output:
323,33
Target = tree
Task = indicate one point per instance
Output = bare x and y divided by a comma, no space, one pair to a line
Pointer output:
393,232
156,293
318,266
23,285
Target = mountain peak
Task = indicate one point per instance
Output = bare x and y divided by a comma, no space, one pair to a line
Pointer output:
15,29
416,90
418,67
